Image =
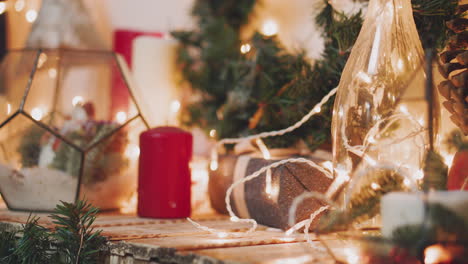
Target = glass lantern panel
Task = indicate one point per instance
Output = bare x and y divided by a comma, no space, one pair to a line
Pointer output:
111,167
15,72
80,92
33,175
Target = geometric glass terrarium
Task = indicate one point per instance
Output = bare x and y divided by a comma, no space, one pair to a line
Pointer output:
65,132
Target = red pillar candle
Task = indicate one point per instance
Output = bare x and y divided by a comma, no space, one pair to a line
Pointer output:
164,175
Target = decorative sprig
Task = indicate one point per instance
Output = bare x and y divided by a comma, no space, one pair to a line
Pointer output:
73,241
435,172
74,234
444,226
364,203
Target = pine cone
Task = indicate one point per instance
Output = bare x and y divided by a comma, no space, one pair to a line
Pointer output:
454,70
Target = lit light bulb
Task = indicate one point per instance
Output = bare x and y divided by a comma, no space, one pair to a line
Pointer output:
327,165
263,148
404,109
8,108
407,183
421,121
222,234
352,255
19,5
132,152
448,158
2,7
42,59
245,48
400,65
77,100
31,15
212,133
342,176
37,114
121,117
52,73
375,186
419,175
213,165
269,28
364,77
175,106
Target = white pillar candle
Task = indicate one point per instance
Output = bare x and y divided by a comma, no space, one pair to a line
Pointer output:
154,71
400,209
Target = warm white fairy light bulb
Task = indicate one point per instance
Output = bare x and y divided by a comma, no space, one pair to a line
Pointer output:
42,60
352,255
448,158
404,109
327,165
8,108
19,5
263,148
52,73
121,117
212,133
213,165
37,113
364,77
132,151
31,15
269,28
407,182
222,234
419,175
375,186
77,100
175,106
2,7
245,48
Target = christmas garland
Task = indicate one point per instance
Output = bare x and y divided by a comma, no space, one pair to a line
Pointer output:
267,88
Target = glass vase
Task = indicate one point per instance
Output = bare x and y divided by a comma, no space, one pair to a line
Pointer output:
380,118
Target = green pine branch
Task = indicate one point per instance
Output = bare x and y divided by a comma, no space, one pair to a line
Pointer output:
364,203
73,241
435,172
270,88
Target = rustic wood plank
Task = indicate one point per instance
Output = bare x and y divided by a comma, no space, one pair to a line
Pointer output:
293,253
208,241
168,229
174,241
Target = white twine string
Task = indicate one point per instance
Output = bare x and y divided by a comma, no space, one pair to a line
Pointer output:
358,150
307,227
306,223
256,174
315,110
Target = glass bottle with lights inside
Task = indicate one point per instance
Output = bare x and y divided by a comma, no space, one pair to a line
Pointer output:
380,128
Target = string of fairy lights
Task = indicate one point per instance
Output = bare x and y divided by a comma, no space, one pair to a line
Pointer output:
19,6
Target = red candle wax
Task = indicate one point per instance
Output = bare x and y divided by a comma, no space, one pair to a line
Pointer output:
164,174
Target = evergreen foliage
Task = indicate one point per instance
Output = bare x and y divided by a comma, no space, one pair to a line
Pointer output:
442,225
267,88
435,172
72,242
364,202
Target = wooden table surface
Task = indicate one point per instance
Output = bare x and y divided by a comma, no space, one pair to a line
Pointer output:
139,240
